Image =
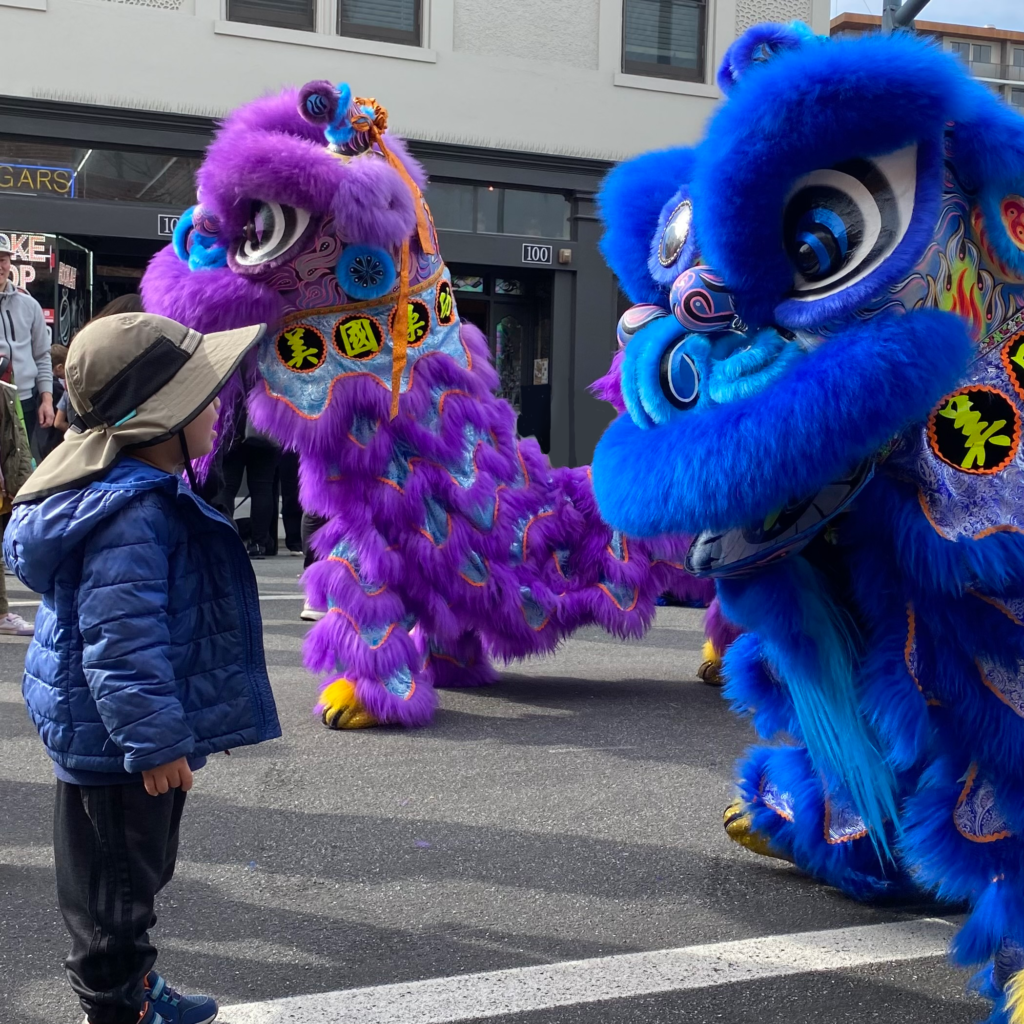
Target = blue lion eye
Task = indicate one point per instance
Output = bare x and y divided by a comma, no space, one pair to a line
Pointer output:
822,238
680,380
841,222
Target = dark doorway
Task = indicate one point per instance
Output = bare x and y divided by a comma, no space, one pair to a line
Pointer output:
513,308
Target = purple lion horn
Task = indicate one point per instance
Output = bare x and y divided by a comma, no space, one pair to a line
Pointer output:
449,541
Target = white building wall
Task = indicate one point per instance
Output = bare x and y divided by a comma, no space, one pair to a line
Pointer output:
533,75
565,32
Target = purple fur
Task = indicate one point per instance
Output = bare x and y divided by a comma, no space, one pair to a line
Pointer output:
609,387
718,629
407,612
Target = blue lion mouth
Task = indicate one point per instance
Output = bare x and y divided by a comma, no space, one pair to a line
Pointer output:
743,365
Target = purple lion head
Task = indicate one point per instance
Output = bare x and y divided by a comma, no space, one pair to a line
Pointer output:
312,221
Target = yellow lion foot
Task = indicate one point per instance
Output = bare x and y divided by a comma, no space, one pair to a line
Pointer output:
340,708
710,670
739,828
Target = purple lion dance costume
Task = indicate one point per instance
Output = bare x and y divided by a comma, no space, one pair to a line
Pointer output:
448,539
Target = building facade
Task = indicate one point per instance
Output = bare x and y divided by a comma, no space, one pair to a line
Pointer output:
995,56
517,109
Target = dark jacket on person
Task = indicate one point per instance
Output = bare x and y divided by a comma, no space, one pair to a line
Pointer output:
148,644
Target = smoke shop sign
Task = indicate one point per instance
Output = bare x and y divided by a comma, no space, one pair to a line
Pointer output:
28,179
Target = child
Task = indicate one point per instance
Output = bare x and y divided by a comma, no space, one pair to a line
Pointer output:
58,357
148,651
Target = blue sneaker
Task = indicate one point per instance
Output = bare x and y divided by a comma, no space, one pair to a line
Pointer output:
172,1007
148,1016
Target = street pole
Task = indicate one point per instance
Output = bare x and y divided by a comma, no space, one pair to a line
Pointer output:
897,14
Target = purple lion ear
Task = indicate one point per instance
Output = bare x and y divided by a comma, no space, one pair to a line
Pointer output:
318,102
758,45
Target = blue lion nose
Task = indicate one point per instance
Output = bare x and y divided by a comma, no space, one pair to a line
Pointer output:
701,302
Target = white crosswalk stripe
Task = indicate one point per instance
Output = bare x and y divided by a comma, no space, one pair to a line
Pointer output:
547,986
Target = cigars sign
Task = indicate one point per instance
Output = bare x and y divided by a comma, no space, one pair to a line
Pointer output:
31,180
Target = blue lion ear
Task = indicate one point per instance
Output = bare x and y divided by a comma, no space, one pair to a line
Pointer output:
758,45
630,204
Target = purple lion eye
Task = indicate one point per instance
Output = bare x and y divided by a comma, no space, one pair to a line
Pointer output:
272,229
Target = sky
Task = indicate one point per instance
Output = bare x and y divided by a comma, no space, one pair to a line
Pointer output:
1001,13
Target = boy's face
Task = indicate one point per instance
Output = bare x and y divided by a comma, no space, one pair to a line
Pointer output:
201,433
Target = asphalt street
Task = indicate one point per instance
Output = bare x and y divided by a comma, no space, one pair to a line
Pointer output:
572,812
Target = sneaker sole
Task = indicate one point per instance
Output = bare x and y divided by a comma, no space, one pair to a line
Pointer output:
312,616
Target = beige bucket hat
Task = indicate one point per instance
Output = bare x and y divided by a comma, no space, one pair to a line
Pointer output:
133,380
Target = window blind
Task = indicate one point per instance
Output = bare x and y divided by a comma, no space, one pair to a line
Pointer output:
397,20
669,33
299,14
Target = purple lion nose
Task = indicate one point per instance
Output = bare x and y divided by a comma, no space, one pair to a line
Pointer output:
701,302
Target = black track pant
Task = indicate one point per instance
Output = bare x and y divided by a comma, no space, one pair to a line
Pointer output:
114,848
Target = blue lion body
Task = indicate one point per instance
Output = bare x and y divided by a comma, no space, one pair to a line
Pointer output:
884,650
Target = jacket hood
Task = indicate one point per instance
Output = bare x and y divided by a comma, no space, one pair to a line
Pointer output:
41,534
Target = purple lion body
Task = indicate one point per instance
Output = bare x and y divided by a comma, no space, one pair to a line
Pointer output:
448,540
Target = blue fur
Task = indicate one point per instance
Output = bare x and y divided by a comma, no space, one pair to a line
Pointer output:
807,643
842,402
824,668
340,131
954,868
809,108
758,44
179,240
751,691
854,867
630,204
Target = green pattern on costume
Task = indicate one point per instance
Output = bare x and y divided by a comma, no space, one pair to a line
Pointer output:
977,433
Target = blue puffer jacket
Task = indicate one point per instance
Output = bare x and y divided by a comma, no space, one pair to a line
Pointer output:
148,643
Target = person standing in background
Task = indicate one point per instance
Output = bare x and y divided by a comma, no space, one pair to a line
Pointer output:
291,510
256,455
15,469
24,338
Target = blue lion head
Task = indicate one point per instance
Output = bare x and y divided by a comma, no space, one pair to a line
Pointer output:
842,251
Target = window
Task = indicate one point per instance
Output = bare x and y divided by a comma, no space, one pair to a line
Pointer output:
664,38
962,50
1017,98
981,54
299,14
1018,57
391,21
492,210
74,172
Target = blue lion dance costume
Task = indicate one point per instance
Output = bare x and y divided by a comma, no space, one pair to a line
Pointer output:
823,379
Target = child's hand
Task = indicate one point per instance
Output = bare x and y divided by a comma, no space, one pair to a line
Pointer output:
168,776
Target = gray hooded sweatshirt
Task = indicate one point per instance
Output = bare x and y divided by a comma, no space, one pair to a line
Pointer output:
23,336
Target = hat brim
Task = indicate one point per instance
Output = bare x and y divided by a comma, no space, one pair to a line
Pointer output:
84,456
